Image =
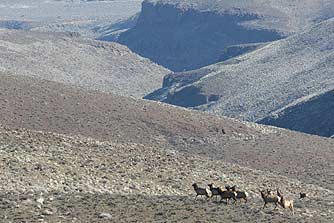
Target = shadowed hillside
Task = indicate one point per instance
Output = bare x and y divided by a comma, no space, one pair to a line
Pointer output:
313,116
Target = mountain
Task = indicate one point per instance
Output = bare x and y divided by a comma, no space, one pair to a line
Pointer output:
186,35
259,84
130,154
70,59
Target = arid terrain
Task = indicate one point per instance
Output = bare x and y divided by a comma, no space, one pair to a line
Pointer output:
134,160
71,59
49,178
79,144
52,107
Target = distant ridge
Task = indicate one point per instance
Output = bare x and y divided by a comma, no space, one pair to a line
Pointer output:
70,59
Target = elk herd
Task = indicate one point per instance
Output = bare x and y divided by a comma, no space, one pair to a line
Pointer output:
231,193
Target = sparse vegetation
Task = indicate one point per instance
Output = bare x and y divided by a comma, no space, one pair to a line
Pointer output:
71,177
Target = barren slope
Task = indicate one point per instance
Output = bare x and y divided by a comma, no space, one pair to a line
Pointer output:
50,106
51,177
67,58
253,86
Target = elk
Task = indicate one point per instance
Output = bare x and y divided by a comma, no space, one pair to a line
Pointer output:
240,194
215,191
227,195
200,191
285,203
302,195
269,198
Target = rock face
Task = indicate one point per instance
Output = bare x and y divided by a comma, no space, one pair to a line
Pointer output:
254,86
186,35
67,58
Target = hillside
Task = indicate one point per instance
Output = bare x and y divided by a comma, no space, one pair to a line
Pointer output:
47,177
258,84
312,115
186,35
88,134
54,107
67,58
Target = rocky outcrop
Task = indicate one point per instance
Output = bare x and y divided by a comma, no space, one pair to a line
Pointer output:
186,39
